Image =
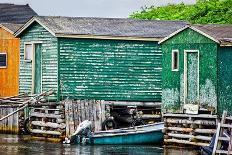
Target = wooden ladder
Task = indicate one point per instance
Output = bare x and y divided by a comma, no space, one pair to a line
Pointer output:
219,135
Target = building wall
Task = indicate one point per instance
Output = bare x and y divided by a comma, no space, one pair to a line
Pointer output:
36,33
225,79
173,81
9,76
110,69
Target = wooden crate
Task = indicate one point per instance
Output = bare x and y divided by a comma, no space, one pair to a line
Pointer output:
47,121
187,129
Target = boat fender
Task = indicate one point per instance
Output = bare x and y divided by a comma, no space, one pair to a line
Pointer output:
26,126
109,124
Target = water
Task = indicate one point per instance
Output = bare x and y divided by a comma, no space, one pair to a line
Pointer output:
23,145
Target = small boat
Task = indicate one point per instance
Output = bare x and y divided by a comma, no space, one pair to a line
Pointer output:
144,134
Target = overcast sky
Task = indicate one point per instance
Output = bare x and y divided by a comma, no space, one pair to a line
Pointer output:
91,8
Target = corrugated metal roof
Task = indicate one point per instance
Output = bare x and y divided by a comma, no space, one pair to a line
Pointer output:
18,14
118,27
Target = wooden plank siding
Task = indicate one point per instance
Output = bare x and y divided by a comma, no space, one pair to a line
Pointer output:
36,33
9,76
225,79
94,69
5,34
173,81
110,69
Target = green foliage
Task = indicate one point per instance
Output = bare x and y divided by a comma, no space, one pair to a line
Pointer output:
204,11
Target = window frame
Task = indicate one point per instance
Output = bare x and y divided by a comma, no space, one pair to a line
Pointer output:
173,59
4,53
32,44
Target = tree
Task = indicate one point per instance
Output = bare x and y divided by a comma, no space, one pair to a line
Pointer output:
204,11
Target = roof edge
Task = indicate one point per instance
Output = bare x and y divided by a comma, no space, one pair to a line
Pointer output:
59,35
28,23
173,34
194,29
5,28
205,34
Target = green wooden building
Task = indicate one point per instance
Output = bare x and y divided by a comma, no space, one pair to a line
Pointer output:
93,58
197,69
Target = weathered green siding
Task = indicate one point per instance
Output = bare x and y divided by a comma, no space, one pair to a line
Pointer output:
173,81
225,79
110,69
36,33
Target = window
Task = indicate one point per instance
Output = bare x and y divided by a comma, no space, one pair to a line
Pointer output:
3,60
28,54
175,60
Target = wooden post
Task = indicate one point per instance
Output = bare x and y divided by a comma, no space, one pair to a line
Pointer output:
67,117
230,142
216,139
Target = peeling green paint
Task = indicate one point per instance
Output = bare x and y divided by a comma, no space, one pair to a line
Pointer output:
225,79
110,69
208,96
173,81
192,78
171,99
94,69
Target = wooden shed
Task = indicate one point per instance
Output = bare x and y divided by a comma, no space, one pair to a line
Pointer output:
93,58
197,69
9,60
11,19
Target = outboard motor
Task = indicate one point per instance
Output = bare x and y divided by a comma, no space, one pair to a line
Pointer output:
82,133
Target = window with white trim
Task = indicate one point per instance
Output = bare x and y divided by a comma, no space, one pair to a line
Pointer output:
3,60
175,60
28,53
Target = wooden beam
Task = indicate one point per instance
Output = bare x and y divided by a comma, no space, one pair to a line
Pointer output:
10,106
43,104
5,98
12,102
48,124
188,115
150,116
37,131
43,115
125,103
210,131
186,121
180,129
216,139
187,136
185,142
